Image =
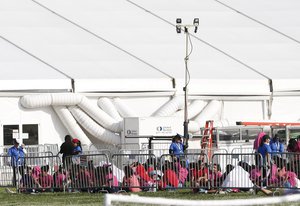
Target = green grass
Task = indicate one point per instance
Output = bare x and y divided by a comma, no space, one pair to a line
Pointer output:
97,199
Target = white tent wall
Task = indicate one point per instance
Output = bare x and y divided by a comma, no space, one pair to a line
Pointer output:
50,129
286,108
129,51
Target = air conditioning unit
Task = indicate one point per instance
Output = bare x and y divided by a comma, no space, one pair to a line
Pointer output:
137,127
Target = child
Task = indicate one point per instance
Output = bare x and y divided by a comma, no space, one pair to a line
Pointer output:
130,181
45,179
77,151
77,147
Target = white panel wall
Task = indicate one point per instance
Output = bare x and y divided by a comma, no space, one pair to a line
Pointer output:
243,110
51,129
286,108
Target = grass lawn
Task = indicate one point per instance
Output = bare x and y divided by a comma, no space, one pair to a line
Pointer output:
97,199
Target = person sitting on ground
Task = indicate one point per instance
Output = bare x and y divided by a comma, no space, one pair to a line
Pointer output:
170,178
111,179
287,179
27,182
142,174
59,177
130,180
215,175
183,172
45,179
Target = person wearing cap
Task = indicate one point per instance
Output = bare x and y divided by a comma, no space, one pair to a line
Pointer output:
17,158
77,151
77,146
177,148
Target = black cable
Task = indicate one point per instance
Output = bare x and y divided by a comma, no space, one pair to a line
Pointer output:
204,42
32,55
101,38
259,22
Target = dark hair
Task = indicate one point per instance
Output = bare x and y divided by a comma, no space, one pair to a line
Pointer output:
264,139
68,138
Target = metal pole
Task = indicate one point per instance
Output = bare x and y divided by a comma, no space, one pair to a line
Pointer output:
185,89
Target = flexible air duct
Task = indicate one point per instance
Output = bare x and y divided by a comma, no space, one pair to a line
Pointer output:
123,109
107,106
70,124
70,99
36,101
44,100
194,109
170,107
213,108
100,116
193,127
93,128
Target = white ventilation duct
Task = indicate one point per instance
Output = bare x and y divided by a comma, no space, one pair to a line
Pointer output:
44,100
93,128
107,106
169,108
213,108
194,108
70,124
123,109
70,99
100,116
193,127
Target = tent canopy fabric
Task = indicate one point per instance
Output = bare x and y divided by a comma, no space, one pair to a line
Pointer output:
132,46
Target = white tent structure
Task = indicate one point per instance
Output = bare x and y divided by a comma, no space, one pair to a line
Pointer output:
81,66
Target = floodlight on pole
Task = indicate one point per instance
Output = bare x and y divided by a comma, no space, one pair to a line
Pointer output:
179,27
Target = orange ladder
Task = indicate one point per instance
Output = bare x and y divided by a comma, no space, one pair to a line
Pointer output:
206,141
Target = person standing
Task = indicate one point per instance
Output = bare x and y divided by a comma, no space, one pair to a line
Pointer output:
17,156
177,147
67,149
276,146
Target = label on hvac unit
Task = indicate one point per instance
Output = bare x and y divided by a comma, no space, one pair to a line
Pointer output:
152,126
131,132
164,130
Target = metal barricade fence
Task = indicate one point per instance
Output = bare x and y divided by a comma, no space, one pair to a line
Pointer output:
98,151
51,148
156,145
233,171
185,171
135,172
155,152
6,171
39,174
243,149
87,172
283,170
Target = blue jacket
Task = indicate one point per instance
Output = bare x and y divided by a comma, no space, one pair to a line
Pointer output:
276,146
176,148
17,156
263,150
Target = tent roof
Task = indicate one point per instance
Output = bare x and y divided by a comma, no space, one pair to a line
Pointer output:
106,46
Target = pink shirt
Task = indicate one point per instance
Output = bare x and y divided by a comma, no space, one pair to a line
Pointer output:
46,181
133,183
115,182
